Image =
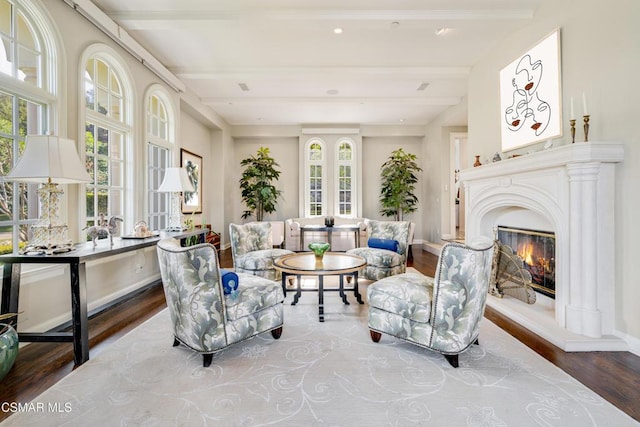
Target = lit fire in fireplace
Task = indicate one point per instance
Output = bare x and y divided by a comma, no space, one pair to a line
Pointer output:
537,251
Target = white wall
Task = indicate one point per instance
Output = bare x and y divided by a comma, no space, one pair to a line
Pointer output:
600,49
436,164
285,152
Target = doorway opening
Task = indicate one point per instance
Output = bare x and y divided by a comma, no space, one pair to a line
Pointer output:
459,161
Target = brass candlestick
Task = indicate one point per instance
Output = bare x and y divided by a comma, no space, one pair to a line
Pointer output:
572,122
586,127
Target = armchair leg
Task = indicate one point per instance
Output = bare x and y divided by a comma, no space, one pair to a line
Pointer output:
375,336
452,359
276,333
176,342
206,360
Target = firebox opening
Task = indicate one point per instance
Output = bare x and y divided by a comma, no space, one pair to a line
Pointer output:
537,250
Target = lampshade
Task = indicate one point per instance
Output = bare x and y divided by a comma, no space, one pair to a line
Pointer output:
49,157
175,180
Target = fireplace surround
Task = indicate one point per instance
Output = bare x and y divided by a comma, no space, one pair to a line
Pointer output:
570,191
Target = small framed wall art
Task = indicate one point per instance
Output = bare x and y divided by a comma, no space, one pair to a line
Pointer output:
530,96
192,201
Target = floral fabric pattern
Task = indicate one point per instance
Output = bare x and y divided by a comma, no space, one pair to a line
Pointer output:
203,318
252,249
383,263
260,263
443,313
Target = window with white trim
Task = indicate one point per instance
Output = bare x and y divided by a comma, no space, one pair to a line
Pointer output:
315,203
330,177
106,133
345,178
24,110
158,159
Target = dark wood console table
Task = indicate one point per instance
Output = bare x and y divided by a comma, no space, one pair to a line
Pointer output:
77,259
311,228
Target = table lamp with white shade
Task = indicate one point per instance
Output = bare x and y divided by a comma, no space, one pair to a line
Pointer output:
176,181
49,160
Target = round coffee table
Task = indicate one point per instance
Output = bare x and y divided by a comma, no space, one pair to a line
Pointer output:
332,264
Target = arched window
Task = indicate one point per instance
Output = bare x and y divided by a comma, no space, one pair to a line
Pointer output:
107,131
345,178
160,137
27,53
315,197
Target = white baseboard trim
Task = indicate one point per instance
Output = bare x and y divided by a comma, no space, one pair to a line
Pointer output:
632,342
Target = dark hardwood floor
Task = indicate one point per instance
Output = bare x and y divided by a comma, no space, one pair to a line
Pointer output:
613,375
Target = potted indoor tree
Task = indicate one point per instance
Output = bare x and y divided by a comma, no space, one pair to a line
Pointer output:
257,184
399,178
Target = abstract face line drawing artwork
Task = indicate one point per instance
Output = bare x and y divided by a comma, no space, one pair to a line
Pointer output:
192,201
530,96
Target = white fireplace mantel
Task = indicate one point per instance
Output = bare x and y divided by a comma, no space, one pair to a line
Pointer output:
569,190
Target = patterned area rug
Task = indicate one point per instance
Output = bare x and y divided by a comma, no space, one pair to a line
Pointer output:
317,374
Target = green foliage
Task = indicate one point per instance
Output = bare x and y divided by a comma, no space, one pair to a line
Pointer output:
399,178
256,183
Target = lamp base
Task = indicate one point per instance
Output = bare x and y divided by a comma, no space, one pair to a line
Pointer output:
175,214
48,240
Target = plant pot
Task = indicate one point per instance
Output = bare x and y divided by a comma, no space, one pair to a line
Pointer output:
8,348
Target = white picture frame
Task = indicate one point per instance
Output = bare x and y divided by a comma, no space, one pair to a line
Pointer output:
530,95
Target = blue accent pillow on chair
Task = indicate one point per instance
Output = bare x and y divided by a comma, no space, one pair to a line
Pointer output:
388,244
229,282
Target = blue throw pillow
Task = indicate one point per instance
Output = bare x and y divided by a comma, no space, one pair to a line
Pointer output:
229,282
388,244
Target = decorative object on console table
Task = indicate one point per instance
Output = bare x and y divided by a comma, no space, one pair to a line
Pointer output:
256,183
49,160
192,198
176,181
329,221
108,228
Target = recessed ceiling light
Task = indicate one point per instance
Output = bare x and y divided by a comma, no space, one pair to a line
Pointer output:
244,87
401,120
441,31
395,25
337,30
332,92
422,87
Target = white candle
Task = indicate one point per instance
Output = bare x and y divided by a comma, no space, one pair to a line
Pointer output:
573,116
584,104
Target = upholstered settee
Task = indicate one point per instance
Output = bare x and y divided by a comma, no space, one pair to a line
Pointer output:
341,240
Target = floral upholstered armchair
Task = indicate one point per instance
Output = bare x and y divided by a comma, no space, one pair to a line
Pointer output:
252,249
384,260
205,317
443,313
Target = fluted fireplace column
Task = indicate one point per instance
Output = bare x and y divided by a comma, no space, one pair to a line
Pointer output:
583,314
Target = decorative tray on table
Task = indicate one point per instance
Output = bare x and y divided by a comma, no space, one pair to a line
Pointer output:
142,236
